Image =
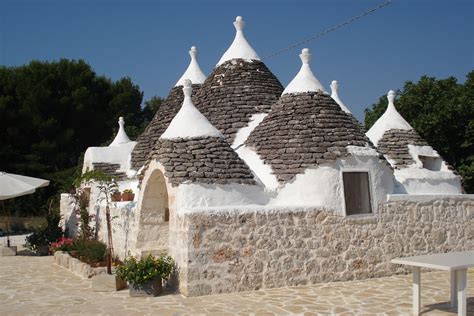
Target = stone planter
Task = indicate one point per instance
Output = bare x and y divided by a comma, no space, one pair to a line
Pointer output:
42,250
150,288
7,251
108,283
82,269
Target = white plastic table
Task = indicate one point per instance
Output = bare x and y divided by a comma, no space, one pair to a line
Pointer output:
456,263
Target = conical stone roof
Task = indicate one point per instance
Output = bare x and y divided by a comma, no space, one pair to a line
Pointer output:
165,113
304,129
163,116
392,134
193,151
391,119
240,86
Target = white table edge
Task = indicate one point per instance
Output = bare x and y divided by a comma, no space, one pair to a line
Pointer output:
431,265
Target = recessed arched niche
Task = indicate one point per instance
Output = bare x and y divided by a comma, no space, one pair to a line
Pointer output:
153,225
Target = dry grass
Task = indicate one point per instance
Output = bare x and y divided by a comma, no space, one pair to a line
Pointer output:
22,223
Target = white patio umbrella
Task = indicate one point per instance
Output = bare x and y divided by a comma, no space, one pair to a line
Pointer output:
13,185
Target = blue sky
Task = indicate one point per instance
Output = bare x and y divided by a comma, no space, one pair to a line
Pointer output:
149,40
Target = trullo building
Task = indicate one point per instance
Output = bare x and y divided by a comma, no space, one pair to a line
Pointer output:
248,185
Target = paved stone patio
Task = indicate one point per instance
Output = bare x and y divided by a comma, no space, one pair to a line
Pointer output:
33,285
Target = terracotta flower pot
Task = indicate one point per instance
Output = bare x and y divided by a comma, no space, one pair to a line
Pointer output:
152,287
126,197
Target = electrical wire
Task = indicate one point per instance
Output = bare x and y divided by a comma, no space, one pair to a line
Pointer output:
332,29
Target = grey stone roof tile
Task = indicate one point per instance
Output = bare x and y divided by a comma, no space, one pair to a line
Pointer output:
208,160
234,91
394,145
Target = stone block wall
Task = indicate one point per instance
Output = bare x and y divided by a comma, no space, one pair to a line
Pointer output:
124,223
240,250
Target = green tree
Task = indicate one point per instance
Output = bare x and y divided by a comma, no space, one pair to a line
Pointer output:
442,112
50,112
150,108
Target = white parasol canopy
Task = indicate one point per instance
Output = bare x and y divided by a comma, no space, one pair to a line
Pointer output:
13,185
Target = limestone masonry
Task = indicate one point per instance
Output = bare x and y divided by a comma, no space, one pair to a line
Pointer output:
243,250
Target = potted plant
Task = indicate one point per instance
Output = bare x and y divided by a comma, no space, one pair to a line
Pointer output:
128,195
116,196
145,276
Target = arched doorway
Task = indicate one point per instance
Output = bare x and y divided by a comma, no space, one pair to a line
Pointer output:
153,224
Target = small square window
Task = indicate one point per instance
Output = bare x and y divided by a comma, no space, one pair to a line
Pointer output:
357,192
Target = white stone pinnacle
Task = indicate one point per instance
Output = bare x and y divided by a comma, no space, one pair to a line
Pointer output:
305,56
189,122
335,96
305,80
239,24
239,48
121,137
193,72
391,99
391,119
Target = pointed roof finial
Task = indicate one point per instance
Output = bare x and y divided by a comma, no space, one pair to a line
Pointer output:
391,99
193,72
189,122
305,56
335,96
239,48
305,80
121,137
391,119
239,23
187,88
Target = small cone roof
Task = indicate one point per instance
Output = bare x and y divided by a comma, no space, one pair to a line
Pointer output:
121,137
240,48
391,119
193,72
305,80
189,122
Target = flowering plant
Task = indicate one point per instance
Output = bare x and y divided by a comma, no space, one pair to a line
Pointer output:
139,271
63,244
128,191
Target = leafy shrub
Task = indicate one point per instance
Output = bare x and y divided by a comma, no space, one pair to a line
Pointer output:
89,250
140,271
44,236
